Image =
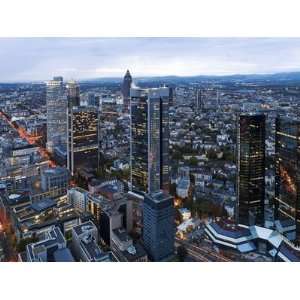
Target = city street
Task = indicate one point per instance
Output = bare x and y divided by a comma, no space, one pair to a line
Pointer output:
201,253
29,138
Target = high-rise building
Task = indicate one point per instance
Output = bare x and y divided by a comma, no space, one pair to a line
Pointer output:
73,93
149,142
91,99
287,175
55,180
56,114
126,85
251,169
82,147
158,225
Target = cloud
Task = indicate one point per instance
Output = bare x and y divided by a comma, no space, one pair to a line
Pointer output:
79,58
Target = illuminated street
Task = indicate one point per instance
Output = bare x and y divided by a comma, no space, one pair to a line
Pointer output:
29,138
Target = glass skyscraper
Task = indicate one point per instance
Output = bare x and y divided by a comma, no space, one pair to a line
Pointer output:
251,169
82,146
127,81
149,142
287,176
73,93
56,114
158,225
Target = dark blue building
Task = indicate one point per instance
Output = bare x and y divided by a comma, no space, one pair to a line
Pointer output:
159,229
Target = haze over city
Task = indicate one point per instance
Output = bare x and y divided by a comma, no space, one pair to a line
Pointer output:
34,59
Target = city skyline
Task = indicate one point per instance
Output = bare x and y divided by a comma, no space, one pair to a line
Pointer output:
89,58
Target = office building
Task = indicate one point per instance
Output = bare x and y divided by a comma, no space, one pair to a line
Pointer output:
115,214
92,99
82,145
51,248
158,225
255,240
149,143
56,180
125,249
56,114
126,85
85,243
78,198
73,93
251,169
287,177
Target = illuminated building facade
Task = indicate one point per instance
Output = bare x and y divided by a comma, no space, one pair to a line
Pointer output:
287,179
56,114
251,169
82,145
149,143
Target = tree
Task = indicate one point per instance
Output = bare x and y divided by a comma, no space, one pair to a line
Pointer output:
177,155
182,253
21,246
193,161
211,154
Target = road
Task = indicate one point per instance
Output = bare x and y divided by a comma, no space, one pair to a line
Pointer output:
5,244
202,253
29,138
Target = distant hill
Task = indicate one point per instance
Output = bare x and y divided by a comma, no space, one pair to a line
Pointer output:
276,77
290,76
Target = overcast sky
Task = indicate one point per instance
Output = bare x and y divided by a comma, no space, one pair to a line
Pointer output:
81,58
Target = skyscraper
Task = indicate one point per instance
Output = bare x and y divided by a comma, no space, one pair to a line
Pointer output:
251,169
56,114
82,145
158,225
73,93
149,142
287,175
126,85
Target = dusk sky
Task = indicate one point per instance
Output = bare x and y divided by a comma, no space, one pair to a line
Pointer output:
84,58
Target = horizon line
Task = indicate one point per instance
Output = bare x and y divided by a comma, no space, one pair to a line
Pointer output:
152,76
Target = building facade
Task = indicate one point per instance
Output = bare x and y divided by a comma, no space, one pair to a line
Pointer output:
82,147
158,225
126,85
57,103
287,175
73,93
56,180
251,169
149,140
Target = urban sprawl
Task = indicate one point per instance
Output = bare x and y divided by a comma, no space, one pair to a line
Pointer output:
169,169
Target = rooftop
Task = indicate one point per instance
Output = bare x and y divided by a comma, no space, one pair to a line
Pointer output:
63,255
43,204
84,227
122,234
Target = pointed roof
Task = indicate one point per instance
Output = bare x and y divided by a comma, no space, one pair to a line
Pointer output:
128,74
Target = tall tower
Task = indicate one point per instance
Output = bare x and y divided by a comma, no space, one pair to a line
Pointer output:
56,114
149,142
158,225
287,176
126,85
251,169
73,93
82,145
